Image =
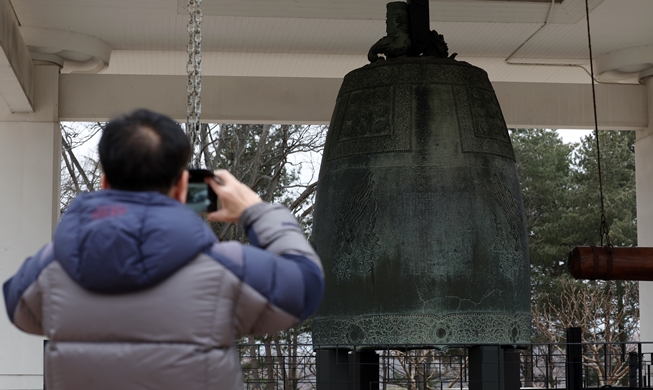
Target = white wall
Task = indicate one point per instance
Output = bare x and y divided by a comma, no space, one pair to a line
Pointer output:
29,202
644,172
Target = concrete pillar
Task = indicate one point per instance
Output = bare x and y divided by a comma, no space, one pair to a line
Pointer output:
332,369
644,177
30,150
574,366
493,368
364,370
485,366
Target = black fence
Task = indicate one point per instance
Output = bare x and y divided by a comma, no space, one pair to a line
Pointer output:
542,366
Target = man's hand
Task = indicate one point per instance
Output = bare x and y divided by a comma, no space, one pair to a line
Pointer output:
234,196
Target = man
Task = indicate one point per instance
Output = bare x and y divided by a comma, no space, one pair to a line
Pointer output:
135,292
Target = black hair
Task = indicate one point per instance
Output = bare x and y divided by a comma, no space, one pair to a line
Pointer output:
143,151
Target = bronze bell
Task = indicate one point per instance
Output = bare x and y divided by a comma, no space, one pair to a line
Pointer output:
419,217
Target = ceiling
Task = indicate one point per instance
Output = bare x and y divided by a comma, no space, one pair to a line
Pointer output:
327,38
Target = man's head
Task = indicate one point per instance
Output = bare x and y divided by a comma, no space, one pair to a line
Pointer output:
143,151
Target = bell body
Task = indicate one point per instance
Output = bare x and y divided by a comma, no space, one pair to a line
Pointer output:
419,218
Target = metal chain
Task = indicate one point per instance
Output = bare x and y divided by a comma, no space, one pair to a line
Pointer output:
604,229
194,69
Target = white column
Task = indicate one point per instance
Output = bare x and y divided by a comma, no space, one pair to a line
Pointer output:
30,150
644,177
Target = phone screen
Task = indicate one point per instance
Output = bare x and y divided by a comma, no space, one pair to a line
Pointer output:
200,197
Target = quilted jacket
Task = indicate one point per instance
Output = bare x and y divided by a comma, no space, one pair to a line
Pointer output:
135,292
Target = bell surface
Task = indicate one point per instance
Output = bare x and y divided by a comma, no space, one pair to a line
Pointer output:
419,218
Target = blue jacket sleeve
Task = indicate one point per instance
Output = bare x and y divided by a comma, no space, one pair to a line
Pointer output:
273,228
22,296
280,265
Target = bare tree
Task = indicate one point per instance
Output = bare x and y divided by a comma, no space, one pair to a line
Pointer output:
79,173
277,161
425,369
599,311
268,158
285,360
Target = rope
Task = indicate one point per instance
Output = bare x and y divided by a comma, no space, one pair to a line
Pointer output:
604,229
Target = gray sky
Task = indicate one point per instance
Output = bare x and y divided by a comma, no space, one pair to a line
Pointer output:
569,136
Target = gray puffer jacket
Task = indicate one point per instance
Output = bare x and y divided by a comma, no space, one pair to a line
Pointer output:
135,292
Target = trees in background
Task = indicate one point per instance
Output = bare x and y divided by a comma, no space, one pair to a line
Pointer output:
277,161
274,160
80,171
560,187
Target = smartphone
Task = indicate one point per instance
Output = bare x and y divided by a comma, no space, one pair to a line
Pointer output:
200,196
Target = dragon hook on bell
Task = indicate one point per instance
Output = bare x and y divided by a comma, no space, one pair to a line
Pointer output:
408,33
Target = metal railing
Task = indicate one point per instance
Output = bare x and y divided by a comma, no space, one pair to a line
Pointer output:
603,365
